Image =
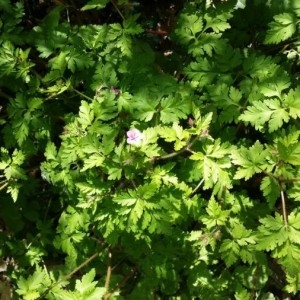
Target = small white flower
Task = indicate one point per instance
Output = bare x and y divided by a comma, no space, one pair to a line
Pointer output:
134,137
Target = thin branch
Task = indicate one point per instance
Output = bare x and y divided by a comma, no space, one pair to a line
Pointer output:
87,261
170,155
284,213
197,187
133,183
255,279
173,154
280,179
117,9
4,185
108,274
287,180
190,150
82,95
121,282
69,275
47,209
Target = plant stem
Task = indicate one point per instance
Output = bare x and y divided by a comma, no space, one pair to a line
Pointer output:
117,9
283,203
197,187
82,265
108,272
121,282
4,185
173,154
82,95
280,179
170,155
289,180
69,275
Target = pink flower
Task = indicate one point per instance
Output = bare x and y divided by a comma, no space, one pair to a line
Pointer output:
114,90
134,137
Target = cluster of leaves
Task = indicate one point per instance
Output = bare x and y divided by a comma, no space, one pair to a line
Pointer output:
206,205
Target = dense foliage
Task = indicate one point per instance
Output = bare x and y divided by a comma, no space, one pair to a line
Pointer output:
150,151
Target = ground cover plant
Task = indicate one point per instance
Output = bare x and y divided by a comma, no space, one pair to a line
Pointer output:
150,150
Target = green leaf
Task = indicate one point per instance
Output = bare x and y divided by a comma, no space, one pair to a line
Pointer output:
217,20
145,108
279,115
270,189
34,103
227,100
126,199
282,28
292,102
227,58
78,60
93,36
95,4
274,88
114,173
13,189
284,240
293,285
58,66
86,284
261,67
249,161
30,287
213,164
202,72
230,251
105,76
294,221
270,111
174,108
94,160
146,191
206,43
50,151
239,246
16,172
163,175
241,4
86,114
7,58
124,102
289,258
242,294
189,25
289,153
272,233
216,216
98,293
105,109
131,26
175,134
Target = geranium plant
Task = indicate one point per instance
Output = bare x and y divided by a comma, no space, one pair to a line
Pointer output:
150,154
